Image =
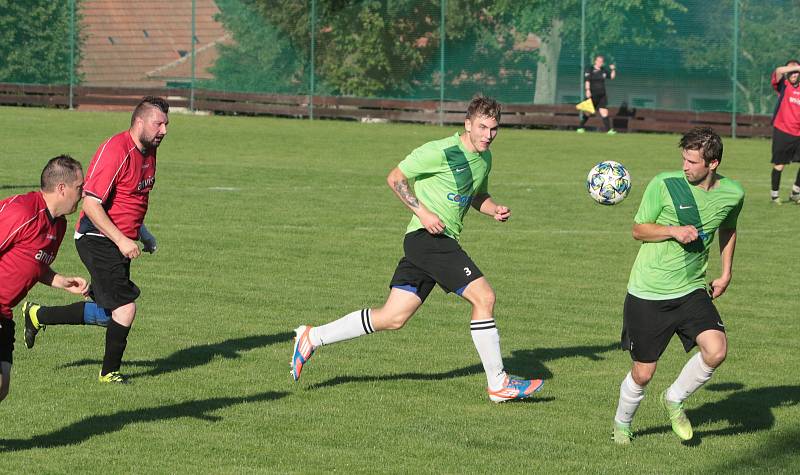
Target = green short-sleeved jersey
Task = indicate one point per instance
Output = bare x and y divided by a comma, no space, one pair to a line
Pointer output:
668,269
447,178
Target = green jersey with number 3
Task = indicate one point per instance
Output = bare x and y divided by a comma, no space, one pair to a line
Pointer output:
446,178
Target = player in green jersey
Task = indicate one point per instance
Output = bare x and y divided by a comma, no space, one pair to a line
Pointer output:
450,176
667,292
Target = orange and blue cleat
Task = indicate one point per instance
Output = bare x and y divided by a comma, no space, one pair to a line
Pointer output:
515,389
303,349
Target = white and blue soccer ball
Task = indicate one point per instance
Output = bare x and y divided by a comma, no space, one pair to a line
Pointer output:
608,182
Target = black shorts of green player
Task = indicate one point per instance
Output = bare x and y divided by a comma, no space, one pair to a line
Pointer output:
432,259
785,147
111,285
648,325
7,340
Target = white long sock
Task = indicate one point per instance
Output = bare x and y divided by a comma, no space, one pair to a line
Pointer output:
630,396
693,375
487,342
350,326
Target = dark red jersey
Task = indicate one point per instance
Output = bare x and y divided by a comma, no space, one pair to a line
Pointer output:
121,178
787,113
29,241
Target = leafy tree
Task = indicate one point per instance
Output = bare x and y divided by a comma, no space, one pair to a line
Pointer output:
34,39
610,22
768,37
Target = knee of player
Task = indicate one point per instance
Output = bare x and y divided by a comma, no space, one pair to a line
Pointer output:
396,322
485,300
716,357
642,376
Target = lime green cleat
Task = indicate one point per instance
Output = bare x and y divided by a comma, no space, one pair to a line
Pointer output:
775,201
611,132
622,434
112,377
581,130
677,416
32,325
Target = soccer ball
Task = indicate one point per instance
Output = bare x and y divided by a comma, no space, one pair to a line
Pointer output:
608,182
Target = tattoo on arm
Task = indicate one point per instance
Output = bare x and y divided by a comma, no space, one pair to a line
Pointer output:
405,193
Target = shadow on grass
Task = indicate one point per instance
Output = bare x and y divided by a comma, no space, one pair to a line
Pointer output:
94,426
744,411
195,356
528,364
775,454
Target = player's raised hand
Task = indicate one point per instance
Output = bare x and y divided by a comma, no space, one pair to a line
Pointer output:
502,213
129,248
432,223
684,234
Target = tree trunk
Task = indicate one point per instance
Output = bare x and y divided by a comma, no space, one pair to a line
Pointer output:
547,66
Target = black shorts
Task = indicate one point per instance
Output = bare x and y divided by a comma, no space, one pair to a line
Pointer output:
648,325
7,339
599,100
785,147
110,271
433,259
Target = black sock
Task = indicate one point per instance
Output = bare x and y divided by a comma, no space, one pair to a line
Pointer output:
71,314
776,180
797,180
116,341
584,119
606,123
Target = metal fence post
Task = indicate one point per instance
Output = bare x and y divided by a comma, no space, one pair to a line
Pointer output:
583,47
71,51
735,69
313,23
194,32
441,62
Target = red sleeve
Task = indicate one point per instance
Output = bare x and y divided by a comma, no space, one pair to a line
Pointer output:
10,223
776,82
103,171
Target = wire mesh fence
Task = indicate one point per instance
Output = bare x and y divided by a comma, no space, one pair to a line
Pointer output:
679,55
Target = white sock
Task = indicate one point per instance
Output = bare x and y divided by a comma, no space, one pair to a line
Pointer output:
630,396
487,342
693,375
795,189
774,193
350,326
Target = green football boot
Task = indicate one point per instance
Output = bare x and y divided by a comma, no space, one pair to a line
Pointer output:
622,434
677,416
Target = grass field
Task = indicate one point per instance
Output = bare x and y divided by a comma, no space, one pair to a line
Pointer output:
264,224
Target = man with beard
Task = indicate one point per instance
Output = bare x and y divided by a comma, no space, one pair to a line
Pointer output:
677,219
31,229
118,183
786,127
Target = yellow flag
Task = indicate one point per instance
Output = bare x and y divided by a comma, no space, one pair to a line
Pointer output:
586,106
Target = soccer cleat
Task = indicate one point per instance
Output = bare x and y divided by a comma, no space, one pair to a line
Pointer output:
677,416
31,327
622,434
303,349
795,197
112,377
515,389
611,132
581,130
775,200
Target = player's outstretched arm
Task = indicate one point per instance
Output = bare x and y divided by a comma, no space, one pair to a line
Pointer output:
94,210
652,232
727,246
399,185
486,205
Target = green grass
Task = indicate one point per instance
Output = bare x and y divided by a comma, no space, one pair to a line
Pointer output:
310,232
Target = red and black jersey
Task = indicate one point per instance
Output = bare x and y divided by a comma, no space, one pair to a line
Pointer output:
787,112
29,241
121,178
